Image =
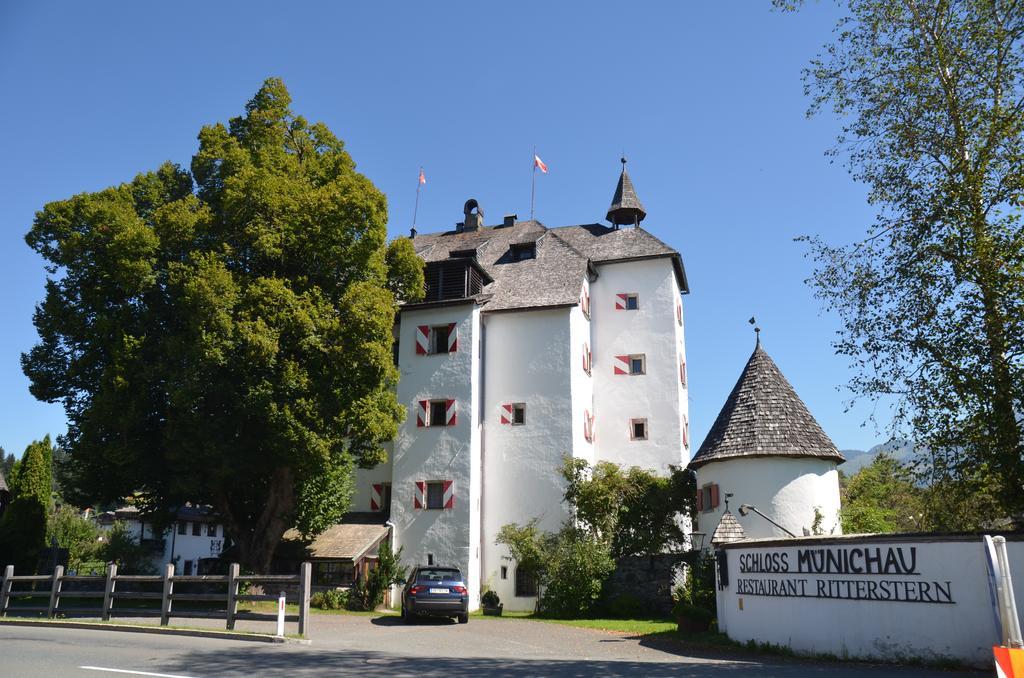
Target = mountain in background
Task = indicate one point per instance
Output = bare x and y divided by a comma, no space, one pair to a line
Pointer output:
858,459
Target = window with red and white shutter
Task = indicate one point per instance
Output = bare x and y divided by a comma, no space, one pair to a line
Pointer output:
435,494
686,432
437,339
679,312
588,426
682,371
436,413
585,301
587,358
627,301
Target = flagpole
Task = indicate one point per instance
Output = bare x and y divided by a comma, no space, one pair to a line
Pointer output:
533,181
416,208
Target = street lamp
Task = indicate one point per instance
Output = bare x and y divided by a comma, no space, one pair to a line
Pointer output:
747,508
697,541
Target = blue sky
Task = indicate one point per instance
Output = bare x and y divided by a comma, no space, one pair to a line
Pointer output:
704,98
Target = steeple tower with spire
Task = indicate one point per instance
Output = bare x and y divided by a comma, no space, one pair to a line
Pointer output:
626,208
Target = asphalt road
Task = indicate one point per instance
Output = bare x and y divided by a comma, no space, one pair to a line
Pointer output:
363,646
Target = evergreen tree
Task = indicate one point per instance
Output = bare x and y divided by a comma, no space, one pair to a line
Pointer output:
23,526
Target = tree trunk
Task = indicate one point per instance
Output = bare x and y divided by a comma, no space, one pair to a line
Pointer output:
256,540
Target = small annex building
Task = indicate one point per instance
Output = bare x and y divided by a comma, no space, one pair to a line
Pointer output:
766,454
339,555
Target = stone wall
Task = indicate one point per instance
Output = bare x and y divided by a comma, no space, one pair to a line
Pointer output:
646,581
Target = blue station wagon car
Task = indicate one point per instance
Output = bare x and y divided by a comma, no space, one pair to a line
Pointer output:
437,592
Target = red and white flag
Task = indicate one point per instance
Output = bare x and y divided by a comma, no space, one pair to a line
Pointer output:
423,178
539,164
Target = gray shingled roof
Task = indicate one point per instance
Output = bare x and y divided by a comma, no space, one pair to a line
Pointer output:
763,417
555,276
728,530
625,207
353,538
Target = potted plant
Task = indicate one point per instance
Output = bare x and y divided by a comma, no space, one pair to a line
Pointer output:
691,619
491,603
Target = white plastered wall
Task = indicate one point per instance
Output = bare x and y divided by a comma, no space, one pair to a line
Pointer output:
528,359
439,453
854,622
657,395
365,478
787,489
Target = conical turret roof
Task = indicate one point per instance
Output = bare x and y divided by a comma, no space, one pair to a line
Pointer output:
626,207
764,417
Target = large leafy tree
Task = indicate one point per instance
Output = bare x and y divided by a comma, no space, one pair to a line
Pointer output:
224,335
931,93
882,497
634,510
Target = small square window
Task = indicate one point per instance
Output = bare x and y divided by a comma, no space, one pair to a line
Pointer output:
439,338
632,302
518,414
438,410
211,530
504,572
638,429
197,529
435,495
182,527
638,364
430,559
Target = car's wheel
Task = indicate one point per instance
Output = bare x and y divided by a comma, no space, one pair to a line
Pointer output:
464,618
405,615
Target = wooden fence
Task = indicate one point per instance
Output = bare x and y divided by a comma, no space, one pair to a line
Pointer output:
50,588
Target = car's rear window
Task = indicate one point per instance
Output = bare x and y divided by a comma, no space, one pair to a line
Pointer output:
439,574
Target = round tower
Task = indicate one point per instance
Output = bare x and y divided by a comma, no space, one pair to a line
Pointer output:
769,457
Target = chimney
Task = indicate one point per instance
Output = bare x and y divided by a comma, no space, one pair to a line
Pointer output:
509,220
474,219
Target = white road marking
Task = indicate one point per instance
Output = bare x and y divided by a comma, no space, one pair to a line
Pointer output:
134,673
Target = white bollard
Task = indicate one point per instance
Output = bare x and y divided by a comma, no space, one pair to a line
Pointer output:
280,614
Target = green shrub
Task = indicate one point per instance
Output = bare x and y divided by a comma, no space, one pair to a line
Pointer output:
121,548
698,589
490,599
625,606
577,566
696,614
330,600
368,593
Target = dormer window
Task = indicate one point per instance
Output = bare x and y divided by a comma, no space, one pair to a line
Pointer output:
462,254
454,278
523,251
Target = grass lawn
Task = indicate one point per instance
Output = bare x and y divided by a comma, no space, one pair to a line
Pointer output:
640,627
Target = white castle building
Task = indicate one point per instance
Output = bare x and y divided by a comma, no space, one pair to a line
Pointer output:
532,344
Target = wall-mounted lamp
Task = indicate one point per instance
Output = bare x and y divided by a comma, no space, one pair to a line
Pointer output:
747,508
